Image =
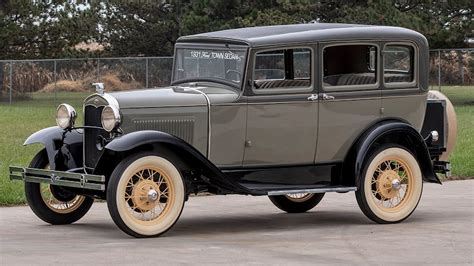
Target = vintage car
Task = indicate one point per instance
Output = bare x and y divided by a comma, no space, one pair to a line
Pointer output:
289,112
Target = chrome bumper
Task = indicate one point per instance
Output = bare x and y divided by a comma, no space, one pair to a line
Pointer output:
58,178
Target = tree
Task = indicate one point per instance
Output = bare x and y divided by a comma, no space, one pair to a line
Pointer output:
43,29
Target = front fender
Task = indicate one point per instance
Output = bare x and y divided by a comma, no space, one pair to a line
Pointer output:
64,148
181,150
399,133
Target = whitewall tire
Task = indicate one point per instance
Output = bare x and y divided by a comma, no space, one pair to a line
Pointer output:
145,195
391,185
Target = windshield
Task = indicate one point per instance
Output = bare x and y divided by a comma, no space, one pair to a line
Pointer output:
224,64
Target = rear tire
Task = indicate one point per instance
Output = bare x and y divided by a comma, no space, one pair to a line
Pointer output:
391,185
145,195
53,204
296,203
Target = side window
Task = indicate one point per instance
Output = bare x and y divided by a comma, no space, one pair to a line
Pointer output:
398,63
350,65
289,68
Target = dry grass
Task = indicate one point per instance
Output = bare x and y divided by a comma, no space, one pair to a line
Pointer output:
111,81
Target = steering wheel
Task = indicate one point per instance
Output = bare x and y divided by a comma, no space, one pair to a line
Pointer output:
239,75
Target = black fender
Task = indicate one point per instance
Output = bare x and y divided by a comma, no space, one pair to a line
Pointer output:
181,153
64,147
393,132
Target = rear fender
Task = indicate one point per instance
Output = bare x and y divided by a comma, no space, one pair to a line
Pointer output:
177,150
391,132
64,148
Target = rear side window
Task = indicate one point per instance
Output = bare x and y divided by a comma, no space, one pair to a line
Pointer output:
398,63
350,66
288,68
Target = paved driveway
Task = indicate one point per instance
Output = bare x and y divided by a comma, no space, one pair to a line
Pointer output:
250,230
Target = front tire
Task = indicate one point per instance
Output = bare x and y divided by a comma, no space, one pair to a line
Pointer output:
53,204
145,195
296,203
390,186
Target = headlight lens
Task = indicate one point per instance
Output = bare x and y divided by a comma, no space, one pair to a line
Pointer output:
65,116
110,118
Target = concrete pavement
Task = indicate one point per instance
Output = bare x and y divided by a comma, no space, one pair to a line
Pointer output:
250,230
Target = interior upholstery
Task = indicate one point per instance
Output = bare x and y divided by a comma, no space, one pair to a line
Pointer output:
389,78
363,78
281,83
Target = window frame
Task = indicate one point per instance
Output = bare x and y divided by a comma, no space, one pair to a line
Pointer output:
348,88
284,90
398,85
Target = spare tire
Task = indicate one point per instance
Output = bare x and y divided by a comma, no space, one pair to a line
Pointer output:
452,124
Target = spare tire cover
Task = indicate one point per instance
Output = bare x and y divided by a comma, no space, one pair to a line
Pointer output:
452,125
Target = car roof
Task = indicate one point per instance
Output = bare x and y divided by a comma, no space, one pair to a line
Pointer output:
305,33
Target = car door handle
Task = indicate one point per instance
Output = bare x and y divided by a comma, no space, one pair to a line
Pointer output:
313,97
327,97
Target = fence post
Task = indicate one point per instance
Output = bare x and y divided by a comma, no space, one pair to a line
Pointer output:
461,65
98,69
439,70
146,72
11,81
55,81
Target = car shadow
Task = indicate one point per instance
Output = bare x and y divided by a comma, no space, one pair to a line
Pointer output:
265,223
252,223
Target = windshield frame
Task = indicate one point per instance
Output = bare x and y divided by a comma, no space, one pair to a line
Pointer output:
211,46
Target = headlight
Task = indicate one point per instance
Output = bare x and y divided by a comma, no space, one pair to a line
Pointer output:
65,116
110,118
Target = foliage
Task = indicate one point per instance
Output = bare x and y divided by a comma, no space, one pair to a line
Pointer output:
32,29
43,29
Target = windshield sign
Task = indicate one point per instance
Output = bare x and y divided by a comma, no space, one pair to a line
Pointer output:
209,64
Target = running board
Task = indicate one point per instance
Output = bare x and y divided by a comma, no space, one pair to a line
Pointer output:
311,190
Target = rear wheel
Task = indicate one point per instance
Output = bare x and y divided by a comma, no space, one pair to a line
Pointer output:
296,203
391,185
145,195
54,204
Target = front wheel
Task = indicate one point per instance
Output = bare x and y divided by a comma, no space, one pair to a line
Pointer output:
145,195
296,203
54,204
390,186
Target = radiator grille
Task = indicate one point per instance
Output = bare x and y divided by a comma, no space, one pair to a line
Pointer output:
92,116
181,128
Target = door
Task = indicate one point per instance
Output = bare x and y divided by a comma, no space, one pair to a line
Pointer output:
282,109
350,97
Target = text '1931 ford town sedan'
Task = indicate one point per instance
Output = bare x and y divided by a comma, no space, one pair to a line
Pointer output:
289,112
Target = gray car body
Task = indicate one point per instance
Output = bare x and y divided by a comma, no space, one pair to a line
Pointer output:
228,138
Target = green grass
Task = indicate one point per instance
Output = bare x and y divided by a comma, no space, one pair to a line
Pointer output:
462,158
19,120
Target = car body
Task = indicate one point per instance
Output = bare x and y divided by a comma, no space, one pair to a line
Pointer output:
289,111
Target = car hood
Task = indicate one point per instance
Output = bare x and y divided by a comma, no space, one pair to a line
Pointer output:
174,96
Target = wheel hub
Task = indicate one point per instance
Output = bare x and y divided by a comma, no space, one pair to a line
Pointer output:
388,184
152,195
145,194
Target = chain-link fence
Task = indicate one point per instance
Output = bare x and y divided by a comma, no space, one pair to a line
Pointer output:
57,79
63,79
451,67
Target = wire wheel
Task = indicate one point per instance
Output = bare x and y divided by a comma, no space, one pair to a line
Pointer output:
148,193
57,203
391,184
299,197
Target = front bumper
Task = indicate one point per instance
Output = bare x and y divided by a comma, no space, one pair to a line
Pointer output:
58,178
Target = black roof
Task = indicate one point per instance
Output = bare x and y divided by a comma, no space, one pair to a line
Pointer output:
304,33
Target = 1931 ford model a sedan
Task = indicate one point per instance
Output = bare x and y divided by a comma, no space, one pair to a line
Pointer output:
290,112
